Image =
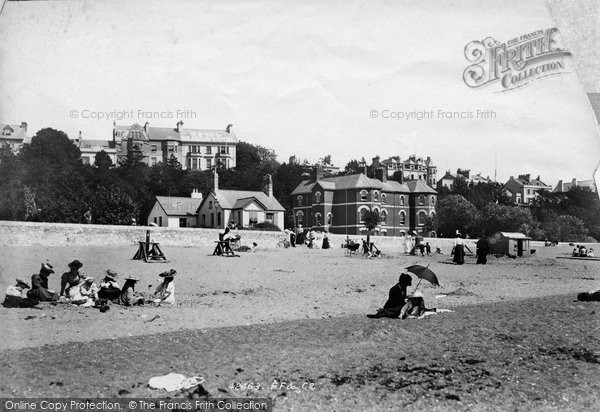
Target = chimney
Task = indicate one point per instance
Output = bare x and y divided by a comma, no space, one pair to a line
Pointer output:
228,128
196,194
23,125
146,127
573,182
381,174
317,173
215,181
401,176
80,135
269,186
179,126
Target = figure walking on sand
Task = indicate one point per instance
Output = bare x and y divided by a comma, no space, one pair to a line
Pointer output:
458,252
482,250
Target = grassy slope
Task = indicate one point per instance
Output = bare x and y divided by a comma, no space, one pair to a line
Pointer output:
541,353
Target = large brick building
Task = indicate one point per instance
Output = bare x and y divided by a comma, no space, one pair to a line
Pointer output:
195,149
338,204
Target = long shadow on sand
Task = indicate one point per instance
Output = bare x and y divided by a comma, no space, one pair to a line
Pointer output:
539,353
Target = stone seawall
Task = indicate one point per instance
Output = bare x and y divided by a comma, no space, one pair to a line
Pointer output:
64,234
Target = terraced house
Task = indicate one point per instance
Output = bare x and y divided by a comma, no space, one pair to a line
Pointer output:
195,149
338,204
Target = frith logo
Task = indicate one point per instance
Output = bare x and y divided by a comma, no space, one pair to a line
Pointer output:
516,62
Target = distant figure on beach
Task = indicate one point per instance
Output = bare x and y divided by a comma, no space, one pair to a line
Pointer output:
482,250
458,252
326,244
592,295
16,296
575,253
591,252
165,292
109,288
39,285
88,216
70,278
293,237
396,299
427,248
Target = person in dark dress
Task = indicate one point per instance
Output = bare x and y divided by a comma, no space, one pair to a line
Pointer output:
396,299
39,285
109,288
459,249
326,244
70,278
483,248
128,296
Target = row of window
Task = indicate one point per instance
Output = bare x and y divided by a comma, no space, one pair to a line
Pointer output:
421,217
173,148
421,200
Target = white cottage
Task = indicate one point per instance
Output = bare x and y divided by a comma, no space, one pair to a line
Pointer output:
175,211
246,208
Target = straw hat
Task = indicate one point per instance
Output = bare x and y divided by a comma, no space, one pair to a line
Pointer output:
111,275
47,268
168,274
89,278
23,284
134,278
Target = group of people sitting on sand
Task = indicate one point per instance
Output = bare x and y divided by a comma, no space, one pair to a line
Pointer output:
582,251
400,304
79,289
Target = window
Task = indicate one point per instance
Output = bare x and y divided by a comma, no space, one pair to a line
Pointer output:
212,220
432,200
193,148
402,218
208,150
421,200
318,197
171,148
253,218
218,218
329,219
194,163
299,218
401,200
160,221
318,219
362,215
203,220
210,204
153,161
421,218
376,196
383,198
153,148
269,217
363,195
383,218
432,215
299,199
155,219
182,222
208,163
85,160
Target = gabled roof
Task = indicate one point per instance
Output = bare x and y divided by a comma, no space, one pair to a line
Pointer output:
514,235
360,181
417,186
12,131
242,203
232,199
178,206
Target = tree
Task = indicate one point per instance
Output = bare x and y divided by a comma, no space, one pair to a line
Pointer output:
371,220
102,161
353,167
495,217
454,212
112,206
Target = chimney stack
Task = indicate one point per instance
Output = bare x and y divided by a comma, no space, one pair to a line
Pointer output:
318,173
573,182
146,127
179,126
228,128
196,194
269,186
215,181
381,174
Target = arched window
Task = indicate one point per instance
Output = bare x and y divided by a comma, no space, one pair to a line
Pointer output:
376,196
383,198
421,200
401,200
299,198
318,197
383,217
402,218
432,200
421,218
432,215
363,195
329,219
362,213
299,218
318,218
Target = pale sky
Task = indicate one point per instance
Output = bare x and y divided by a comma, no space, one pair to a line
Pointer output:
302,78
